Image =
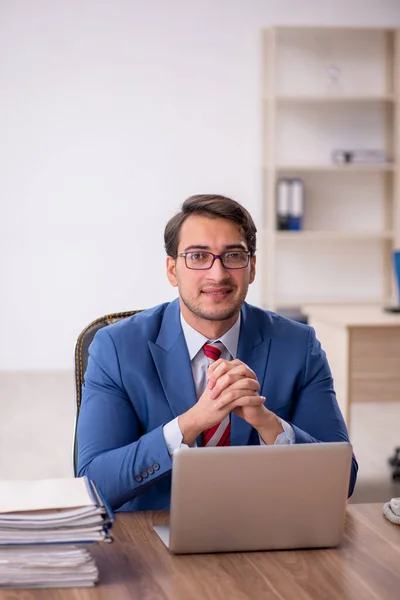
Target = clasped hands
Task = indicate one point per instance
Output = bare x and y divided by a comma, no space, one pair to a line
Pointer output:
231,387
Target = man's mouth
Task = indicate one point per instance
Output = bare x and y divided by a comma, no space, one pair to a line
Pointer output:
217,291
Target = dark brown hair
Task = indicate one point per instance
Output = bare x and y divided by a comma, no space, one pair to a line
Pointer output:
214,207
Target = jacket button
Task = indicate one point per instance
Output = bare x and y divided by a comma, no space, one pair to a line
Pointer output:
156,466
138,478
150,470
144,474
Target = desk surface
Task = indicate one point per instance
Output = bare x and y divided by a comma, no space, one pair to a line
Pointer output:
352,315
137,565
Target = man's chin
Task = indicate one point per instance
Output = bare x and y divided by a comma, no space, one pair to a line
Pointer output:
222,311
218,315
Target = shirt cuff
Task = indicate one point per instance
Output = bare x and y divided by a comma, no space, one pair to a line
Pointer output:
285,437
173,436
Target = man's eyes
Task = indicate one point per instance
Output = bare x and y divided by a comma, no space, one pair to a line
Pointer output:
197,256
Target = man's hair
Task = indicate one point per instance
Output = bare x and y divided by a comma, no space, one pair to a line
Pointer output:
213,207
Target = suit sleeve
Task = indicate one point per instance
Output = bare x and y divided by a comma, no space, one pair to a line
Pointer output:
316,416
112,448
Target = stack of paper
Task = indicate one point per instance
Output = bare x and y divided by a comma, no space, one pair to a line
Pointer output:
47,566
40,524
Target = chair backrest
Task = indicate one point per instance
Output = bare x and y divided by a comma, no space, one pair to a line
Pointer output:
83,342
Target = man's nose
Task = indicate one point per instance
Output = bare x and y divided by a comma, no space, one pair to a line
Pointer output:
218,270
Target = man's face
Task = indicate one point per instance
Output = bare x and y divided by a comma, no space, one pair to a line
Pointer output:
214,294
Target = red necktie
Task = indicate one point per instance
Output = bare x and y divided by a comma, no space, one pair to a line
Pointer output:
219,434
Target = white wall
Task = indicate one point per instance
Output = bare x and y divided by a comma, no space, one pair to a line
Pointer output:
111,113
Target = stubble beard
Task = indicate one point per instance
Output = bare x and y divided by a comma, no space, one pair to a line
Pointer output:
224,314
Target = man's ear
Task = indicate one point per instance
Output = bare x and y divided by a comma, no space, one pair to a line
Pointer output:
171,274
252,269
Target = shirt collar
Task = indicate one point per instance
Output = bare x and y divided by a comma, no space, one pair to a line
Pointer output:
195,340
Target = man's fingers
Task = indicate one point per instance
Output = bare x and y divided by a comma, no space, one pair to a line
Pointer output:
236,380
221,367
250,401
245,400
213,366
216,370
229,364
239,397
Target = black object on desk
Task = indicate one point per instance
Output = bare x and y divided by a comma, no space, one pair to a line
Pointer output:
394,462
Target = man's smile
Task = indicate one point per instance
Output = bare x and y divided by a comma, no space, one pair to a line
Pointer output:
217,292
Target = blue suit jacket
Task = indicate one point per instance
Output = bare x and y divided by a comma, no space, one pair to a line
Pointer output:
139,377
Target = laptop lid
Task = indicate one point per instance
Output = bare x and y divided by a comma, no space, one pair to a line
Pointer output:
243,498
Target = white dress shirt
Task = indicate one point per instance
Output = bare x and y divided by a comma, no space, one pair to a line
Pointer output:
199,363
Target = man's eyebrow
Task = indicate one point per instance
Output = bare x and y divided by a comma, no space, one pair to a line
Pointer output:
238,246
196,247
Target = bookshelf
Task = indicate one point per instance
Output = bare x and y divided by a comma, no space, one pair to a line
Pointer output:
325,89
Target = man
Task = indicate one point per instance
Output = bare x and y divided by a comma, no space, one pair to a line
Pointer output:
205,369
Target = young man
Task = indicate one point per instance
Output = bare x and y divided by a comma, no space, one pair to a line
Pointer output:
205,369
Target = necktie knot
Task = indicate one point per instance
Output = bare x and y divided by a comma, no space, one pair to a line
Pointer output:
213,350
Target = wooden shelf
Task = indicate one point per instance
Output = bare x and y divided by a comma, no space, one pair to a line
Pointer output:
300,302
332,168
323,89
310,99
333,236
333,28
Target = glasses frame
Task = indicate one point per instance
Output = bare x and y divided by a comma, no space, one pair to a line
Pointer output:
215,256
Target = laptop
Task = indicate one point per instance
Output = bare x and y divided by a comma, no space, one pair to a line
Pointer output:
241,498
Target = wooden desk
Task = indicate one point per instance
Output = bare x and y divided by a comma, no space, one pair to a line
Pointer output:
138,566
362,344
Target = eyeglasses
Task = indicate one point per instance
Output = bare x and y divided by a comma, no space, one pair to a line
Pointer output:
199,260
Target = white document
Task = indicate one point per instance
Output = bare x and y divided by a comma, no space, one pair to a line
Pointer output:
44,494
52,511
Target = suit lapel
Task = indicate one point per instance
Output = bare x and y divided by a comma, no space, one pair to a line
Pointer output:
253,350
172,362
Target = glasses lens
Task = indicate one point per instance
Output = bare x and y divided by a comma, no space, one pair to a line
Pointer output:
235,260
198,260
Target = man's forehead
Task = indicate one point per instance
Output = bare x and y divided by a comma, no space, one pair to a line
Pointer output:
203,227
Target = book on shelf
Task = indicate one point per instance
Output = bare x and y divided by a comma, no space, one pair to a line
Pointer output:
355,156
44,527
289,204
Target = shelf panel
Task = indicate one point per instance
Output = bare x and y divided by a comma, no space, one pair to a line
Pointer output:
299,301
304,98
331,28
332,236
355,168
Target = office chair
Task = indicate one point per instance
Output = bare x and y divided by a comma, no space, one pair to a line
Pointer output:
81,359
